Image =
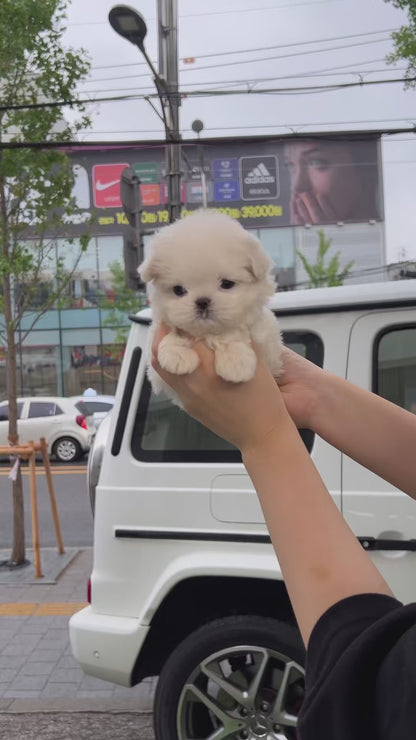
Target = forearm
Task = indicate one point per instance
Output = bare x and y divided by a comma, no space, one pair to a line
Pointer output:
372,431
321,560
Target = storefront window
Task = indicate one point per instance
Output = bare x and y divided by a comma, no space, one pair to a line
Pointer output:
83,287
92,366
110,255
38,370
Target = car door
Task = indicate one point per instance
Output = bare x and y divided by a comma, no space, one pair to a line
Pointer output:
382,357
40,417
4,421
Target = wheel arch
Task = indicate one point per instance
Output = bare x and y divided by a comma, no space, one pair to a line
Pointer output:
196,601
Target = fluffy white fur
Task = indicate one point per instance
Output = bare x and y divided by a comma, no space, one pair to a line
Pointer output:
210,279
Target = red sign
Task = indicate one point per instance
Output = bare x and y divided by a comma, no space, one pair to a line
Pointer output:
150,194
106,184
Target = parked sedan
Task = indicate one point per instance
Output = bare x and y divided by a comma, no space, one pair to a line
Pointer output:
67,425
100,406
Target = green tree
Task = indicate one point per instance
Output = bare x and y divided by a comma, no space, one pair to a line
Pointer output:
321,274
405,39
35,183
123,302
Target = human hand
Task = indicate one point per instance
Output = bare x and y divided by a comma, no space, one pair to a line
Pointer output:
300,382
308,208
242,413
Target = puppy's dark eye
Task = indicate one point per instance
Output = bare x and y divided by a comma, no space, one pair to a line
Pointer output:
179,290
227,284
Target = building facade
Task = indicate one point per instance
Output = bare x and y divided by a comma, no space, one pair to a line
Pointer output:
285,190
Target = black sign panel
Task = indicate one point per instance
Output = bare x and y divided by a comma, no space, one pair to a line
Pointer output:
263,183
259,177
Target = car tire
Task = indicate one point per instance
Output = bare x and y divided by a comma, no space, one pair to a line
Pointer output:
67,449
232,676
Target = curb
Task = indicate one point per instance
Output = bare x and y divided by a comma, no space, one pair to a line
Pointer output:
61,706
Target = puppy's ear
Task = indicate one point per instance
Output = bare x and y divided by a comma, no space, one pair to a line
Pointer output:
259,263
149,269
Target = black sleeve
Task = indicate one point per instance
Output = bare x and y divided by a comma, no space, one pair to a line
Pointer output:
360,665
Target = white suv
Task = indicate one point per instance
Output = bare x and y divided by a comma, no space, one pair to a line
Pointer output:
185,583
68,426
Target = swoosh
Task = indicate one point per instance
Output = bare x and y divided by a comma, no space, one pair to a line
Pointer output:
104,185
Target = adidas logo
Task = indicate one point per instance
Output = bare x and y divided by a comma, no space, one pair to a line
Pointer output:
259,175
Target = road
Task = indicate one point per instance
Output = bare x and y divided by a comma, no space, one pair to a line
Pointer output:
72,502
76,726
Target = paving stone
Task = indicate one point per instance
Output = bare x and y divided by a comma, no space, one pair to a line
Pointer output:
28,683
37,660
68,675
38,668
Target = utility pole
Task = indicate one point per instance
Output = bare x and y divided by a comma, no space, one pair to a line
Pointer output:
168,70
129,24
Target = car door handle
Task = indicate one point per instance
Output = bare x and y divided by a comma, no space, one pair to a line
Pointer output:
375,543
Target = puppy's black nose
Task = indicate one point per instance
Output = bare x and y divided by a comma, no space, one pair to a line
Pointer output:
202,303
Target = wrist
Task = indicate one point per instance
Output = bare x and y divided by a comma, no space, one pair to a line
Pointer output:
266,443
324,402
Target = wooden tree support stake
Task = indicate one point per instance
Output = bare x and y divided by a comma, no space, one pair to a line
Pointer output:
28,452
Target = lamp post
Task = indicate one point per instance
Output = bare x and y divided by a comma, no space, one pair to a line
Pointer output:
129,24
197,126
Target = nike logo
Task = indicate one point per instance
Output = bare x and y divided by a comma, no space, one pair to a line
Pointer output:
105,185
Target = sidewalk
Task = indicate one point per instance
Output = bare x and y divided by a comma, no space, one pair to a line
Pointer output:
37,670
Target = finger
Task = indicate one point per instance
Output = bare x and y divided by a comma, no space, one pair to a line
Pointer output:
312,206
327,208
304,215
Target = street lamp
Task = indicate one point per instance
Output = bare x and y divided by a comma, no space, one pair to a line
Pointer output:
129,24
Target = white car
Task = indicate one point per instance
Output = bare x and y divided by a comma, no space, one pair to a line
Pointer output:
185,583
67,425
99,406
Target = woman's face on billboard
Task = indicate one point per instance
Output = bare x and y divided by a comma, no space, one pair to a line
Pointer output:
325,182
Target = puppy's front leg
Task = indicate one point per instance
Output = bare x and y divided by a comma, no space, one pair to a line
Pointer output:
176,355
235,361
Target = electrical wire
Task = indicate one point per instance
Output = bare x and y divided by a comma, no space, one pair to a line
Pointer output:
326,71
209,93
221,12
285,56
259,48
255,80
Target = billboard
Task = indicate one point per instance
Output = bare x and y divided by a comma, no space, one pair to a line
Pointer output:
283,182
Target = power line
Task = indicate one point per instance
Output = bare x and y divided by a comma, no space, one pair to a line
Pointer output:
257,80
286,56
292,4
293,43
209,93
246,61
249,51
87,132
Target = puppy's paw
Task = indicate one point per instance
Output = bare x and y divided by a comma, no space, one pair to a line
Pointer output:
177,358
275,363
235,362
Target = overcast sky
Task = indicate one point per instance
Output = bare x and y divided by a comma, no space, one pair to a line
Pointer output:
281,44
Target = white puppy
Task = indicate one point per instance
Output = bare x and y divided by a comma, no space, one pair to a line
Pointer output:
210,279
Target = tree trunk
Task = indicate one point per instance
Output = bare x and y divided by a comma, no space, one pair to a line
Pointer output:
18,556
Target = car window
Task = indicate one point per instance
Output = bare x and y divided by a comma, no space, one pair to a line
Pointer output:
395,366
164,432
98,406
43,408
4,411
83,408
